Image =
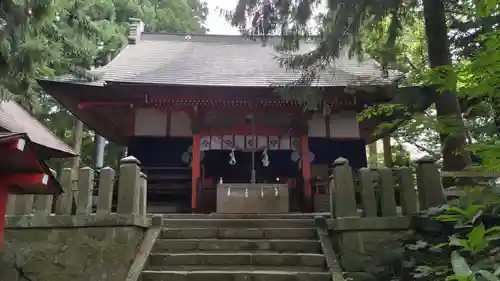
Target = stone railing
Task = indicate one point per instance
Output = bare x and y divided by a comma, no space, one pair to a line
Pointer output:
372,212
384,192
89,198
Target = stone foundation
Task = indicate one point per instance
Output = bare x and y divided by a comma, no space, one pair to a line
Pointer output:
370,248
102,250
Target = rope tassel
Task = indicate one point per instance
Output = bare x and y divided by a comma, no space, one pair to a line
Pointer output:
232,158
265,158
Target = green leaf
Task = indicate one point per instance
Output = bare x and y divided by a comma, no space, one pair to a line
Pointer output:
460,266
497,272
476,239
492,230
488,275
454,241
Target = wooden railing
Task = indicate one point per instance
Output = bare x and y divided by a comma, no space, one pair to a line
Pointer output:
127,193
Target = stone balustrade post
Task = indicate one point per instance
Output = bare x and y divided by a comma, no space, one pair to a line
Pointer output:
11,205
106,186
64,202
85,189
143,195
24,204
128,186
344,194
430,188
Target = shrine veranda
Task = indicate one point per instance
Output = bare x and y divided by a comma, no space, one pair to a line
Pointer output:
212,133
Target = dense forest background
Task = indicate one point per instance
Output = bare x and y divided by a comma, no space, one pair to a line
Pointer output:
52,37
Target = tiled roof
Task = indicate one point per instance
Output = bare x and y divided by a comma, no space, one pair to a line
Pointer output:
14,119
221,60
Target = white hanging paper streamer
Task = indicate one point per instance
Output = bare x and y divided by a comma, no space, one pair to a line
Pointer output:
221,181
262,192
246,192
232,160
265,158
229,191
276,193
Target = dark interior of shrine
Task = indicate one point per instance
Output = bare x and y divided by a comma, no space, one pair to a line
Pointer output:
217,165
169,175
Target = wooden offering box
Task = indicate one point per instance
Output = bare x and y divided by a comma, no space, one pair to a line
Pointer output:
245,198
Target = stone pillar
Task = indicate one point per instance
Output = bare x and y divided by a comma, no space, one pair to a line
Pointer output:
64,202
128,186
345,198
387,197
11,205
407,188
430,189
85,189
105,195
24,205
368,192
143,195
43,205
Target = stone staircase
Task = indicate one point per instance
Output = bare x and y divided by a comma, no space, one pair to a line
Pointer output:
237,248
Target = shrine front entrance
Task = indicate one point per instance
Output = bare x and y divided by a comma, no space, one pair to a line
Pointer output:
276,167
272,190
249,174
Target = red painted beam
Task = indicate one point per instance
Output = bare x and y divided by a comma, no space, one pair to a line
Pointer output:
24,179
195,171
85,104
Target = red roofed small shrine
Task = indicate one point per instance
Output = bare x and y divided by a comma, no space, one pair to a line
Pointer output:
25,144
21,172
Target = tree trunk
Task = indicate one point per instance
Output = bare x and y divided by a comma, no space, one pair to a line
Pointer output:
447,105
387,152
76,143
373,154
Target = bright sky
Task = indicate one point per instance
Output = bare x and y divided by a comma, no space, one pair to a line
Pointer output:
216,23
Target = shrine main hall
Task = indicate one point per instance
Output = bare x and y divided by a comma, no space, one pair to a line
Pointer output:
205,116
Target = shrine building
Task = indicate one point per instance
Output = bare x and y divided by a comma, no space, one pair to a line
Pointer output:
203,115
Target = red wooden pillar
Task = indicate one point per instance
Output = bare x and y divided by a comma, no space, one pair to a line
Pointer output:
4,195
306,172
195,170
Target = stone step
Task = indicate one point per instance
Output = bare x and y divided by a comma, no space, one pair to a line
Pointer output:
237,258
243,216
235,268
225,275
246,223
238,233
183,245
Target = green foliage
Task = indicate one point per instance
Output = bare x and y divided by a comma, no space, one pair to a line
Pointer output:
463,243
54,37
